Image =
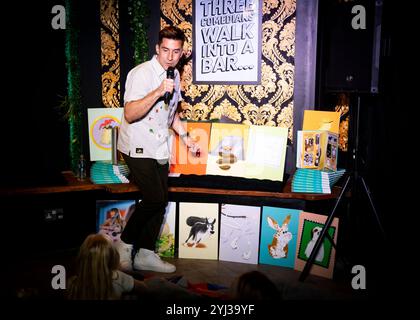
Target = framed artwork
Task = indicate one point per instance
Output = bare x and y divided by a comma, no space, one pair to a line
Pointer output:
112,216
101,121
310,227
279,233
239,233
198,230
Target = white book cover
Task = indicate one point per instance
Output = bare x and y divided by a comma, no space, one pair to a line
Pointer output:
239,233
198,230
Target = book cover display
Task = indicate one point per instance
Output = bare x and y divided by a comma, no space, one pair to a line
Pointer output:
310,227
227,149
112,216
321,120
101,121
198,227
279,230
239,233
266,152
183,161
317,150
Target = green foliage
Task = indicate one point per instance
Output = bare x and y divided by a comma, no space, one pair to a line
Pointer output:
73,101
138,12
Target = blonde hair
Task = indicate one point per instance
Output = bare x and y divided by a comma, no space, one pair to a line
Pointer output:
96,263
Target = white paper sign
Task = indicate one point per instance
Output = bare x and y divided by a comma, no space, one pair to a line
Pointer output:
227,41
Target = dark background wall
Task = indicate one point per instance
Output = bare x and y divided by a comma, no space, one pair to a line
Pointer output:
34,74
344,52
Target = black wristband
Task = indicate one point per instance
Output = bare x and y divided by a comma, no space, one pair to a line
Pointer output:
183,135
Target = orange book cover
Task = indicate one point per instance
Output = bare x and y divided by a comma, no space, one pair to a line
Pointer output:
321,120
183,161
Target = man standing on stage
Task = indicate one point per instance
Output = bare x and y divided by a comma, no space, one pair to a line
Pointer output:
150,108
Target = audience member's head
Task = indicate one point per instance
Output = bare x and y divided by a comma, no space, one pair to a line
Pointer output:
96,262
255,286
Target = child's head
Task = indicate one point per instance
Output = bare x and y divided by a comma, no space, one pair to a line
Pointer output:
96,262
254,285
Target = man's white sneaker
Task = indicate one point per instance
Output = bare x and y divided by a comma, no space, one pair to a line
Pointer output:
125,251
149,260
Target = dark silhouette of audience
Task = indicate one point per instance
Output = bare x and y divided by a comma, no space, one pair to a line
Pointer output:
256,286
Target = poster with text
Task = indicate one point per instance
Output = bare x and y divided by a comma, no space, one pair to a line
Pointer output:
198,230
239,233
227,41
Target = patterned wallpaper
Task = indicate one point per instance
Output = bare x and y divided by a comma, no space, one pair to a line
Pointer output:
110,53
271,102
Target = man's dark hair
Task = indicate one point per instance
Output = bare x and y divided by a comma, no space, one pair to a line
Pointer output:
171,32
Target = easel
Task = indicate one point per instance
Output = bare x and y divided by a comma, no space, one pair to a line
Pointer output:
351,183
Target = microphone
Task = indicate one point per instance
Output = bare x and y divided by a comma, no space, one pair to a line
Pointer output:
170,74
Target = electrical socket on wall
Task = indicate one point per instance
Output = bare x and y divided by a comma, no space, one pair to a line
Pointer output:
53,214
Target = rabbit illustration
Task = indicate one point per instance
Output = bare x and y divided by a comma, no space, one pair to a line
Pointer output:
279,246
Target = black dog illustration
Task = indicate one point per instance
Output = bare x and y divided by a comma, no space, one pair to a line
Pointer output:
201,228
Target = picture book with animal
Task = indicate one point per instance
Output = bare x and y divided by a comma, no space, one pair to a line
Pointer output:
198,230
231,149
239,233
112,216
279,229
310,227
317,150
227,149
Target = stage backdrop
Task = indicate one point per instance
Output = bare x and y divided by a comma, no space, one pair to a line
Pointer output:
269,103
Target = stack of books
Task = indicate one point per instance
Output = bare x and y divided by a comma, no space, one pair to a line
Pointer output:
103,172
315,181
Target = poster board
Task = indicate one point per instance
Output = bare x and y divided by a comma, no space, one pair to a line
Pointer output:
198,227
227,42
183,161
321,120
100,124
239,233
112,216
310,227
279,234
236,150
